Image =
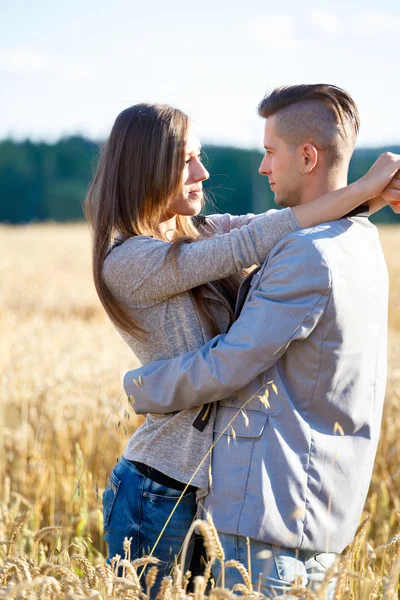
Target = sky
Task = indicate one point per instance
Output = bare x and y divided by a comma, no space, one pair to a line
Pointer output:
70,66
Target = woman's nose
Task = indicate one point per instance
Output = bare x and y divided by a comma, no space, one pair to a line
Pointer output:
202,174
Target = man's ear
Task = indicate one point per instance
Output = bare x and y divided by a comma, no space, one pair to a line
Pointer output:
308,157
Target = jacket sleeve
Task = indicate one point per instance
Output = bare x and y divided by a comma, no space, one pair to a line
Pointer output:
285,304
142,272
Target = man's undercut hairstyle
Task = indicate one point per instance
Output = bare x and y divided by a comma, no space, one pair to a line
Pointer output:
321,114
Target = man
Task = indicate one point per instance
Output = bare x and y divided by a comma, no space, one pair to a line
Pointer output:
301,373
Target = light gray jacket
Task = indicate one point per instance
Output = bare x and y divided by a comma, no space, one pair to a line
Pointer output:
293,468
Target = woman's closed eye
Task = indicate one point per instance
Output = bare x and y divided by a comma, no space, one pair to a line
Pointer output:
200,157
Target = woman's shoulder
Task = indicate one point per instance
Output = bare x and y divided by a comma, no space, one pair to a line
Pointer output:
137,244
133,257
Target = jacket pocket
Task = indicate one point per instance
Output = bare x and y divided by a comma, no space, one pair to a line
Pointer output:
240,423
236,437
109,496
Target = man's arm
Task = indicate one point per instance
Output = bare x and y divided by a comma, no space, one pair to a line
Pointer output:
287,303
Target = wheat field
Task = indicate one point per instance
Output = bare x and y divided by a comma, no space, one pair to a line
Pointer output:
65,420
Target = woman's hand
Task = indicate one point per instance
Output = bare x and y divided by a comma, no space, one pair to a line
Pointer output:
382,178
391,194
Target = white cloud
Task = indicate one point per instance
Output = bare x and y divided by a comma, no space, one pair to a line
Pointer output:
377,23
275,31
280,31
26,61
326,22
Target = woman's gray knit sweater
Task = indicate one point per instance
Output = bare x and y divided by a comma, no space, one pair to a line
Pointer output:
156,293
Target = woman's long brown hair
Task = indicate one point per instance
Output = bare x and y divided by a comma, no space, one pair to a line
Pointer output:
139,173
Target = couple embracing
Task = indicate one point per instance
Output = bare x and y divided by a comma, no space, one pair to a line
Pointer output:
284,368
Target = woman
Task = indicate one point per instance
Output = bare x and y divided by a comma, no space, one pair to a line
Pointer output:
167,296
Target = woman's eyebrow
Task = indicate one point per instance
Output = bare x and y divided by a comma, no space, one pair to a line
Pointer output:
194,151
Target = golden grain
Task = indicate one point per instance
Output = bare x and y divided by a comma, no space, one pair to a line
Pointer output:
235,564
66,420
150,579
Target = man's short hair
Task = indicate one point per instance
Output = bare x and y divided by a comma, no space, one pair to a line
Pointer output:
322,114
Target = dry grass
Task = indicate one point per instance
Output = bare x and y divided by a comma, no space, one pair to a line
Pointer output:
66,420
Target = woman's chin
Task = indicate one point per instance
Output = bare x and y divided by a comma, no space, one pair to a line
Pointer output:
191,209
188,206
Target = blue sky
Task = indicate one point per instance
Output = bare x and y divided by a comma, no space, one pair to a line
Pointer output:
71,66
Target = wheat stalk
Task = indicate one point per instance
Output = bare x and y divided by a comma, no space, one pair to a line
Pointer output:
17,526
165,592
45,531
150,579
235,564
392,583
89,570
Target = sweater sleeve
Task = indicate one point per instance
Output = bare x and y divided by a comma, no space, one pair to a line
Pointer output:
223,223
142,272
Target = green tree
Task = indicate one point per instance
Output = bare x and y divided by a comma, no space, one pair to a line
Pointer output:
40,181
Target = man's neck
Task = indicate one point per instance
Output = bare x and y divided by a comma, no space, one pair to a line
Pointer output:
321,186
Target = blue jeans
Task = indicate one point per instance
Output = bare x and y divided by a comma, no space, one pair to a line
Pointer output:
137,507
277,568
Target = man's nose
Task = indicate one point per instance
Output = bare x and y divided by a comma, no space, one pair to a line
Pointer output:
264,167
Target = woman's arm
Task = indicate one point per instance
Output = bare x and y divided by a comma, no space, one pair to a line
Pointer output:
223,223
142,271
332,206
381,182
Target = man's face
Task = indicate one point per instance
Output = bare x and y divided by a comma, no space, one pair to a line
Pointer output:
279,165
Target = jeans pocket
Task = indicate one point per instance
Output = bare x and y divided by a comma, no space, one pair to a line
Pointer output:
109,495
289,566
157,491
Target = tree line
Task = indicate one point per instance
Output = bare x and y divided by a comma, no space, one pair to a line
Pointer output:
43,181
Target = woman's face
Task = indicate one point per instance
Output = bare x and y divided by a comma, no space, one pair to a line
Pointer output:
189,201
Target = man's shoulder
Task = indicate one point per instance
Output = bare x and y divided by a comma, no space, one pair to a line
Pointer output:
321,238
323,231
300,256
312,252
308,243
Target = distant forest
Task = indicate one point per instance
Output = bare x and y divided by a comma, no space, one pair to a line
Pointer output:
42,182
